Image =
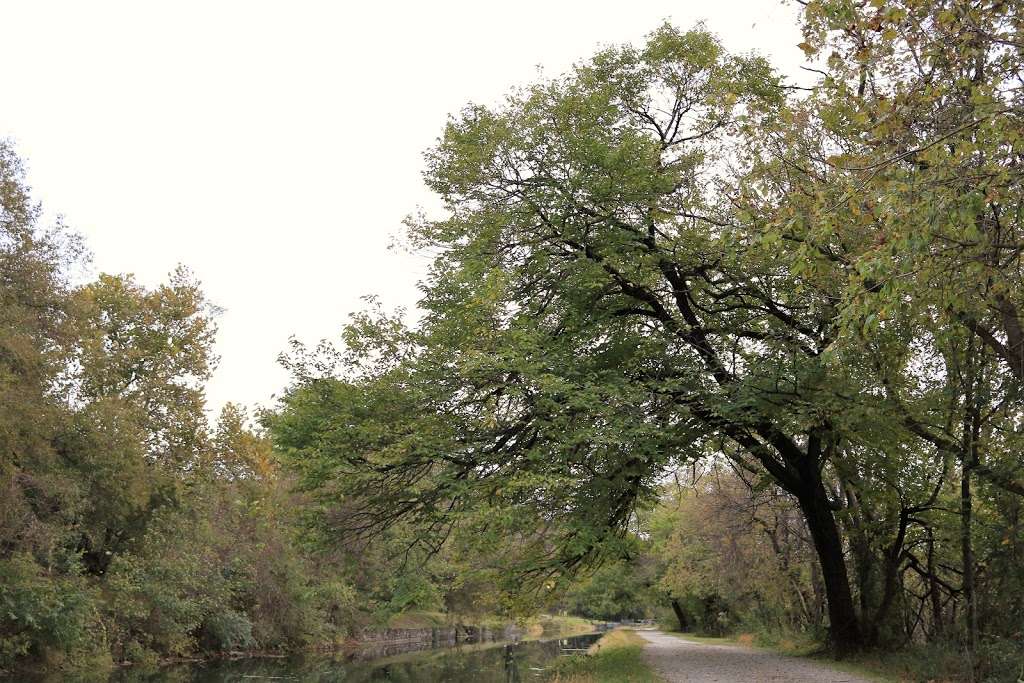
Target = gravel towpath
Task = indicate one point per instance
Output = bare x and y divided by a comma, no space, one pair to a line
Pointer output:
678,661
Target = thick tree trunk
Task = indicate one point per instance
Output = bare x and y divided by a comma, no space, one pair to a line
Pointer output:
680,615
844,625
819,594
865,566
880,623
799,474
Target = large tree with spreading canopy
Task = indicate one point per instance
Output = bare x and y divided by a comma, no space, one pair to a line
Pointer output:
599,311
669,254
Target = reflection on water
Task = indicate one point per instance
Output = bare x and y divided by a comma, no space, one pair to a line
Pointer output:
487,663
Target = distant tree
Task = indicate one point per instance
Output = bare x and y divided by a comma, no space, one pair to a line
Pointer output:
614,592
732,556
127,530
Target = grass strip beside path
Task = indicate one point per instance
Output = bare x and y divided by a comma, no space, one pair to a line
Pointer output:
616,658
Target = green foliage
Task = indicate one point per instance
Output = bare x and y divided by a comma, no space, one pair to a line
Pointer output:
161,593
413,591
225,630
129,529
616,657
527,394
735,557
664,257
42,615
616,591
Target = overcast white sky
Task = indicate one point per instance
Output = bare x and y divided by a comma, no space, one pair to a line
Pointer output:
274,147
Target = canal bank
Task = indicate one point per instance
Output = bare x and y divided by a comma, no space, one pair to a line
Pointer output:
484,662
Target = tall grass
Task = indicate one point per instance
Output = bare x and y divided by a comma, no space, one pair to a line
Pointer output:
616,658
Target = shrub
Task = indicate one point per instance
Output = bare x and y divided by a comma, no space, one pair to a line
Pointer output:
227,630
43,615
1000,660
160,595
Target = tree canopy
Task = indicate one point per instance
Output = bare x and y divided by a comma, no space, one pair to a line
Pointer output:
670,254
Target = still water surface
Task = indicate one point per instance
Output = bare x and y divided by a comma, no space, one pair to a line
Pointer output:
485,663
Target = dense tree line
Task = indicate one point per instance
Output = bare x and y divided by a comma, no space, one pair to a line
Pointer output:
672,256
131,529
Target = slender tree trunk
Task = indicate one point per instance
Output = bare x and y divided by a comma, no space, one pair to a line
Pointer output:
968,461
782,556
933,589
967,550
844,625
801,477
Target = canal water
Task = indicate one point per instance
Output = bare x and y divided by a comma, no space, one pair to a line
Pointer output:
498,662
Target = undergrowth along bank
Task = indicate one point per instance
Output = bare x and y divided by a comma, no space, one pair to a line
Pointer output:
616,658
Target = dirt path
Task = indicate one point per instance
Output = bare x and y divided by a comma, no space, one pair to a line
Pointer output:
679,660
